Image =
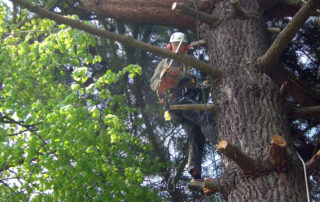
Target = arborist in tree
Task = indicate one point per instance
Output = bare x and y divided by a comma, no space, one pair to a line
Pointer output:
174,85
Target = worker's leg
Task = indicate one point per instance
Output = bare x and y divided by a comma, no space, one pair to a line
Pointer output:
205,122
196,142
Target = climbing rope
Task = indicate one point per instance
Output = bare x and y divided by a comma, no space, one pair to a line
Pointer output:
174,167
305,176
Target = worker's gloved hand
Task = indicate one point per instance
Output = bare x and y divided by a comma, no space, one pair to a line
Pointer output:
169,79
205,84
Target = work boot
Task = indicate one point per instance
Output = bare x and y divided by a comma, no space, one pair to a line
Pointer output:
195,174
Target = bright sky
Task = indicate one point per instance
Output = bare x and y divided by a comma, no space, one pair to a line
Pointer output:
7,2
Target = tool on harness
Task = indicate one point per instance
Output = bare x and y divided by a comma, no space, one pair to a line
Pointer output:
167,116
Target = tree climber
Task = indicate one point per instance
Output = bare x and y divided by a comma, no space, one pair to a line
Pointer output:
174,84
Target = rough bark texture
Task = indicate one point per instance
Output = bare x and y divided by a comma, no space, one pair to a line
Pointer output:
251,108
159,10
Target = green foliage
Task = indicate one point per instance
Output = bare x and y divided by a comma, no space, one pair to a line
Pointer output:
60,138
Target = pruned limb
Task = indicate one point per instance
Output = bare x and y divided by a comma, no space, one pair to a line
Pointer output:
278,152
306,112
126,40
196,185
274,29
207,185
203,17
238,11
202,107
213,185
287,34
246,164
313,163
198,43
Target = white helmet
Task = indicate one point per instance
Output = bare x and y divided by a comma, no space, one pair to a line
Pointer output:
177,37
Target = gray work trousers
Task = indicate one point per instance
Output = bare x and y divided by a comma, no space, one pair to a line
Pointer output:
198,125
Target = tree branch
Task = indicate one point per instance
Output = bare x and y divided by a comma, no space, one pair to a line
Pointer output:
198,43
126,40
313,163
203,17
207,185
246,164
202,107
285,36
274,29
306,112
278,152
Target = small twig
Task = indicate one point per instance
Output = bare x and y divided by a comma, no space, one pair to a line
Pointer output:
18,133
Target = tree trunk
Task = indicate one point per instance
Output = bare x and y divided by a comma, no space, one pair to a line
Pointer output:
251,109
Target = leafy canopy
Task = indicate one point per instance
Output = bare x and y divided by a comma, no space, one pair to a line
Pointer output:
61,139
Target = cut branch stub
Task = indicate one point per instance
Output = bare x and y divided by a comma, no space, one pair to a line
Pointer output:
207,185
246,164
203,17
274,29
212,185
198,43
278,153
313,163
196,185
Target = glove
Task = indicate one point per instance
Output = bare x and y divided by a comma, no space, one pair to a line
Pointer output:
169,79
167,116
205,84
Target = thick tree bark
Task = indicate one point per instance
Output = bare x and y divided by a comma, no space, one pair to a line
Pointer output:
251,108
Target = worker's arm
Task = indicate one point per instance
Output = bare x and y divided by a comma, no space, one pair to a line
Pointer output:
170,79
155,79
